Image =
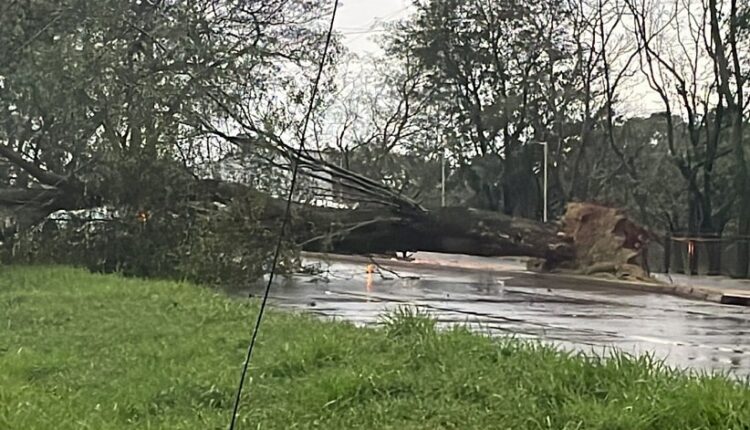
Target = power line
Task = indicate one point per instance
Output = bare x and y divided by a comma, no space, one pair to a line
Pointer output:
372,28
375,22
371,31
284,222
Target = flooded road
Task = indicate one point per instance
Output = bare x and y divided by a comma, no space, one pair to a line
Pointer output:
502,299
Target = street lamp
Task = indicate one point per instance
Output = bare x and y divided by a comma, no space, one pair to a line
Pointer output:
441,145
546,158
442,179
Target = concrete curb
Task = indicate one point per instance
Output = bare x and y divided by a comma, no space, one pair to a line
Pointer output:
704,293
673,290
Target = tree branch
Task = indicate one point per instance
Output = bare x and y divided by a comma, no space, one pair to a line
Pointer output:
43,176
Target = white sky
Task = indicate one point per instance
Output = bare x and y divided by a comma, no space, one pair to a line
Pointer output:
360,20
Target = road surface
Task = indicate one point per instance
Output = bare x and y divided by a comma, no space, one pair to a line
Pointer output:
590,316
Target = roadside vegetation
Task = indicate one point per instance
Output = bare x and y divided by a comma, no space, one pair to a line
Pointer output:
88,351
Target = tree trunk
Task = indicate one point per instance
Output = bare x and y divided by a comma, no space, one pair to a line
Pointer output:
743,181
446,230
588,236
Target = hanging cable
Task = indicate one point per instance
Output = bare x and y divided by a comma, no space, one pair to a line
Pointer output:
284,221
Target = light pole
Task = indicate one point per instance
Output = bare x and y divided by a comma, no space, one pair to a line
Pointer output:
546,160
442,180
442,166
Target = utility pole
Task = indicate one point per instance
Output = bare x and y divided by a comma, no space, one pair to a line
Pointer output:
546,158
442,167
546,178
442,184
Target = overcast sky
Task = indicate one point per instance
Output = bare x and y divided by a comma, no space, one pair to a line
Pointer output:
360,20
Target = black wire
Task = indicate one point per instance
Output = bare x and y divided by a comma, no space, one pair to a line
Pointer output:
284,222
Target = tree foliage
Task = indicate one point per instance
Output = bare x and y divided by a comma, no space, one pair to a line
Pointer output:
106,104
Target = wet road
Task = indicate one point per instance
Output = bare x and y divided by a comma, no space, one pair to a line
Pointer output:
588,316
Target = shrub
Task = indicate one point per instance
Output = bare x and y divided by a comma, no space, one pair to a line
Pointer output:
227,245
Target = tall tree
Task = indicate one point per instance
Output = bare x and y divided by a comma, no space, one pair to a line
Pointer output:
486,63
102,100
727,53
674,44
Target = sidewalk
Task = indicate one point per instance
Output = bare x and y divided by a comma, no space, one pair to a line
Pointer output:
722,289
723,282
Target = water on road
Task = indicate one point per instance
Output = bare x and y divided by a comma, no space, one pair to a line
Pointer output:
502,299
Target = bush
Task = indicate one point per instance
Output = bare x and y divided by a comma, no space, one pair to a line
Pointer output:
211,245
232,247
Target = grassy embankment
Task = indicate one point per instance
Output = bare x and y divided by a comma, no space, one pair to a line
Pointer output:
84,351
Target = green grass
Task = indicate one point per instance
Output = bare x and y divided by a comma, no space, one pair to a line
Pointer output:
85,351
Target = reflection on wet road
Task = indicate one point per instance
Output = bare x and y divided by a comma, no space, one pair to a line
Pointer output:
573,314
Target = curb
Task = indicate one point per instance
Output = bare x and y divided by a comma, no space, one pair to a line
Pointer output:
707,294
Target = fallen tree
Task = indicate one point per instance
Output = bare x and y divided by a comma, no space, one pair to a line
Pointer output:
589,238
447,230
